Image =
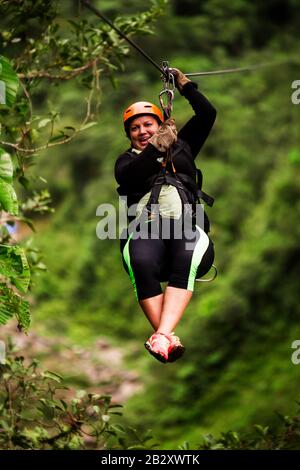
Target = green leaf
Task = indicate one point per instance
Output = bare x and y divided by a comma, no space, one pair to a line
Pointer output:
23,315
9,82
44,122
14,265
47,411
52,375
6,166
24,181
8,198
113,81
89,124
263,431
6,313
12,304
49,402
136,447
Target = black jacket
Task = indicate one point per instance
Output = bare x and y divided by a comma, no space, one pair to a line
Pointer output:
133,171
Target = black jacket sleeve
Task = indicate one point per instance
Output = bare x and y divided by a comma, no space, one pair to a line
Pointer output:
136,169
197,129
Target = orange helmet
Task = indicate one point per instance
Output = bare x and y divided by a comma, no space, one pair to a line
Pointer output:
142,107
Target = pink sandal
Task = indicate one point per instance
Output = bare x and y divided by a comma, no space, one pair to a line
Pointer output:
176,349
158,345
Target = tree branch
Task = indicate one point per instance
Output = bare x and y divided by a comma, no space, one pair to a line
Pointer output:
68,139
67,76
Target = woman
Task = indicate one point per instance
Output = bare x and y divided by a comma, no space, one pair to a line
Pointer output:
160,257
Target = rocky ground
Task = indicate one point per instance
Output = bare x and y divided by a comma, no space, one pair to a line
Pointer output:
97,369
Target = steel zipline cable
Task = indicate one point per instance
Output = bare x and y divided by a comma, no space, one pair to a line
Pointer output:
234,70
164,70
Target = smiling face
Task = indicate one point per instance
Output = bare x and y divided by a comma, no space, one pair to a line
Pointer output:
141,129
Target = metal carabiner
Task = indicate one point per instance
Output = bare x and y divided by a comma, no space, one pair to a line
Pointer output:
169,87
167,108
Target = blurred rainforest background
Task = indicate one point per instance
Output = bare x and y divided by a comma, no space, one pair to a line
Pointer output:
237,371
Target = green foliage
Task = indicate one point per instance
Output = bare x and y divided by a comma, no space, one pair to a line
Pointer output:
237,331
11,81
8,198
287,437
34,416
14,266
12,304
6,166
42,43
37,414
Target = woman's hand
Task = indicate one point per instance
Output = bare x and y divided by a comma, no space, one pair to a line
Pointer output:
165,136
180,78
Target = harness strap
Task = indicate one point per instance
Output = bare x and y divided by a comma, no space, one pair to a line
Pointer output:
167,178
155,191
168,175
206,198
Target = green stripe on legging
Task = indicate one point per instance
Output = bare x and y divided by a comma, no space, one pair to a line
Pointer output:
199,250
126,256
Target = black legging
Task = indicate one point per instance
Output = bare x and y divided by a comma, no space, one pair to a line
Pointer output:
166,259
